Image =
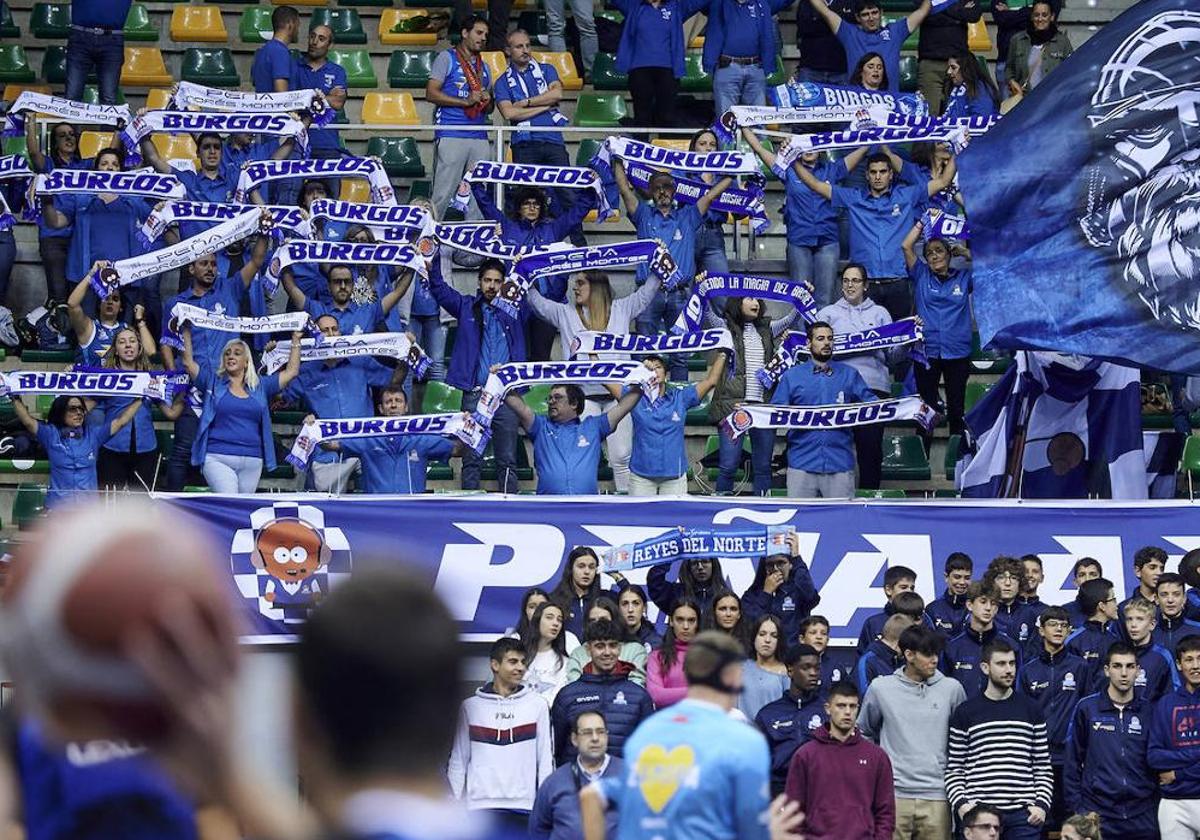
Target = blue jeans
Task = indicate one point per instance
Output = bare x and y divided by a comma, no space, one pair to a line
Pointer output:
504,447
710,250
739,84
179,462
585,22
8,258
105,54
232,473
818,265
431,335
824,77
658,317
729,457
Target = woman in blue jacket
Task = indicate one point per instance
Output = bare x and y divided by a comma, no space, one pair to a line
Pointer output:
234,438
651,53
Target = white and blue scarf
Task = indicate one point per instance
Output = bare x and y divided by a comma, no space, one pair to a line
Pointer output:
192,122
588,342
400,255
394,345
380,219
11,166
460,425
523,374
483,238
186,313
95,382
853,138
660,157
192,95
258,173
517,80
143,183
526,174
974,125
798,418
63,110
885,337
753,116
123,272
742,285
938,224
290,219
796,94
739,201
700,544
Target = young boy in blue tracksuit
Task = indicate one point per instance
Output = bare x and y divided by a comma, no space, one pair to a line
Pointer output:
1157,675
1099,608
1173,621
965,651
1174,748
949,611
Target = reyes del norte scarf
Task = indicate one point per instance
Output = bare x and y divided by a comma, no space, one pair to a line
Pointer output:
289,219
709,286
394,345
700,544
795,418
525,174
62,110
257,173
460,425
795,344
523,374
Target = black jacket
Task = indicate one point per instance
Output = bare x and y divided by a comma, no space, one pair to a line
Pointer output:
945,34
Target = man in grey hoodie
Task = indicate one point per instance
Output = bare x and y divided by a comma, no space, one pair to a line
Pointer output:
908,714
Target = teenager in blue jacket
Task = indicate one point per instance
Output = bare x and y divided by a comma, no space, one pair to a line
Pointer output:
1174,748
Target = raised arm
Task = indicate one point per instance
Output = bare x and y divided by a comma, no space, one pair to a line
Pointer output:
388,301
27,420
830,17
292,369
813,182
143,331
484,200
81,324
257,254
852,160
151,156
125,417
628,195
918,15
910,242
517,403
715,371
624,405
941,182
37,160
295,295
764,154
189,360
715,190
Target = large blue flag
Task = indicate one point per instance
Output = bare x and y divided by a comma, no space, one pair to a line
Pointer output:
1085,200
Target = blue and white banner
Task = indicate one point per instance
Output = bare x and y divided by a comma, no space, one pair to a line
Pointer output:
144,183
515,375
660,157
381,219
290,219
525,174
1073,424
94,382
192,122
938,224
697,544
58,108
1090,245
742,285
348,253
873,135
795,94
482,552
885,337
397,346
260,172
754,116
587,342
459,424
740,201
192,95
804,418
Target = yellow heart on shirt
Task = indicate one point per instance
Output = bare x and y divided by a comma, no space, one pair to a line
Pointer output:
661,773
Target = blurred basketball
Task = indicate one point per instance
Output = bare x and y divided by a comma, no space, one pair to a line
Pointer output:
92,578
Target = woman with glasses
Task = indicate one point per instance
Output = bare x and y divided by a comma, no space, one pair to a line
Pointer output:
54,243
854,312
72,438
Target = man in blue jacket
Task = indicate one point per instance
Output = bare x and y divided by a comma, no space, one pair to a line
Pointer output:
1174,749
740,50
605,687
883,655
949,611
790,721
1173,623
1106,770
555,814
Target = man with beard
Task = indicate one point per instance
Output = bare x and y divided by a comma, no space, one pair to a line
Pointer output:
821,462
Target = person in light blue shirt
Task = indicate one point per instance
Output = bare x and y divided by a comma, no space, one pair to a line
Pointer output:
566,447
658,465
880,216
870,35
943,300
353,318
72,438
821,461
692,771
271,70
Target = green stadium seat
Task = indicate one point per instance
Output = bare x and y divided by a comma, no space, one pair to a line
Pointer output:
889,493
605,75
346,25
410,68
697,364
908,73
10,466
50,21
139,26
195,488
945,493
8,27
29,504
695,79
599,110
904,458
357,62
254,27
587,150
424,189
54,66
536,398
698,415
953,444
1190,463
440,398
987,361
14,146
400,155
14,64
91,95
779,76
439,471
212,66
611,15
975,392
900,7
166,440
50,357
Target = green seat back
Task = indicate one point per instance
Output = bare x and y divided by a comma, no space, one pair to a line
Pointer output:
605,75
254,27
357,63
14,64
50,20
908,73
139,26
410,68
346,25
440,398
600,110
695,80
211,66
400,155
904,458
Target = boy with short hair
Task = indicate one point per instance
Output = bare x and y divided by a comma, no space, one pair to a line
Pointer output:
1157,675
1173,750
814,631
883,655
1031,603
964,652
897,581
1173,623
949,611
1085,569
1092,639
1149,562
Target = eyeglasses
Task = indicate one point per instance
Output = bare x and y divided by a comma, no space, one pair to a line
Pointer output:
76,407
1056,625
1007,576
853,281
342,281
986,826
556,398
1110,600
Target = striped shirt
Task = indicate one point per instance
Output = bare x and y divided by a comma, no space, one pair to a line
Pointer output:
999,754
754,356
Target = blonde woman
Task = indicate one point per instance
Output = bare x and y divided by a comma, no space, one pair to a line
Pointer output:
234,438
592,307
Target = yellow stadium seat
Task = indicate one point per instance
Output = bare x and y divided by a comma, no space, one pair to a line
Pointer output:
355,189
564,63
172,146
978,40
91,142
390,108
198,23
697,42
15,89
157,99
145,66
593,216
496,63
679,143
391,17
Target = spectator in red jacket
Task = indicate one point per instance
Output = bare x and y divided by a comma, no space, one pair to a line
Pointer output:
842,782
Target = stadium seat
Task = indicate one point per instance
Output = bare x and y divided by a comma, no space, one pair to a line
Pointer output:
564,63
908,73
390,108
588,147
91,142
889,493
599,110
12,91
139,26
346,25
410,68
14,64
10,466
400,155
54,66
904,458
50,21
405,27
975,392
439,471
29,504
14,146
212,66
440,398
145,66
953,444
496,63
382,3
779,75
697,415
987,361
697,43
356,190
91,95
254,27
424,189
157,99
357,63
1190,463
172,146
197,23
605,75
695,80
611,15
536,398
8,27
978,40
944,493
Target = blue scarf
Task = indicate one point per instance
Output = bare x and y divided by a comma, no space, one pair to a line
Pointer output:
794,418
699,544
795,94
885,337
741,285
